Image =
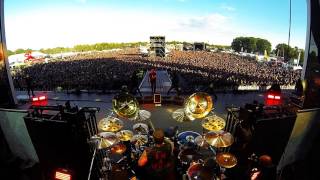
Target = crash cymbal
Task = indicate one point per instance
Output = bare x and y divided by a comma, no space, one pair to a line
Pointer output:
124,135
141,128
139,139
110,123
125,105
107,139
198,105
219,138
118,148
226,160
180,116
213,123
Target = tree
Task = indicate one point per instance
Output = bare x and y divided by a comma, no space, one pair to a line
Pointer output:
251,44
286,51
262,45
19,51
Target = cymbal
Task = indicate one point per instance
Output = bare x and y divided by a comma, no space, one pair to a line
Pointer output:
107,139
201,142
144,115
219,138
124,135
213,123
226,160
118,148
180,116
110,123
125,105
141,128
198,105
139,139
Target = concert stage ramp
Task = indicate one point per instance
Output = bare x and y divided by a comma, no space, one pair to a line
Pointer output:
163,83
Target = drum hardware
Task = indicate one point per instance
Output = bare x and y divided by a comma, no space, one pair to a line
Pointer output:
110,124
198,105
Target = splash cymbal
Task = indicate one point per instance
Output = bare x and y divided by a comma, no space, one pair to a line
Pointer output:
124,135
143,115
118,148
198,105
139,139
219,138
125,105
213,123
226,160
141,128
110,123
107,139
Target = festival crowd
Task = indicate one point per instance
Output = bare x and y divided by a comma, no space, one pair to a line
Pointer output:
112,69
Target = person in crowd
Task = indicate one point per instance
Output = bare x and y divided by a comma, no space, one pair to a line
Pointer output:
153,80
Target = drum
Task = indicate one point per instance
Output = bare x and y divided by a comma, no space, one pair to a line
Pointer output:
187,137
198,171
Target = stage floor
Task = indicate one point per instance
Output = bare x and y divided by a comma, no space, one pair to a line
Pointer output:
160,116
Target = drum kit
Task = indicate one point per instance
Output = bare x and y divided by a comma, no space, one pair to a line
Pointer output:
194,148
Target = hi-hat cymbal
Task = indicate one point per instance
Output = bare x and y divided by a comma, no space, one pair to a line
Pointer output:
180,116
219,138
213,123
125,105
124,135
226,160
110,123
198,105
118,148
107,139
141,128
139,139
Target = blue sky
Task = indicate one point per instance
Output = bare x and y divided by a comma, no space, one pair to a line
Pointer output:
50,23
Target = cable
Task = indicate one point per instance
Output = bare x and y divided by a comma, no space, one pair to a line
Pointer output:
289,30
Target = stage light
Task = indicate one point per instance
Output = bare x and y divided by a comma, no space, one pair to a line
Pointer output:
41,98
62,175
277,97
35,99
270,96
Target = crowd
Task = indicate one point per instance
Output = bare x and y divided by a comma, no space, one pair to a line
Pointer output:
111,70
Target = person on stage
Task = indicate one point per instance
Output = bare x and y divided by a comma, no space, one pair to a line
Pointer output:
158,160
153,80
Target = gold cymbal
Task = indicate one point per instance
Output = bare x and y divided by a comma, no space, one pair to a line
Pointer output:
198,105
139,139
110,123
141,128
219,138
124,135
107,139
125,105
118,148
226,160
179,116
213,123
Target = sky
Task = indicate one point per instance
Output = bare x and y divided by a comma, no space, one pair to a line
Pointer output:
39,24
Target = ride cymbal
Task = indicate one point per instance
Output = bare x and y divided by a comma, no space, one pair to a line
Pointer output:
125,135
213,123
111,124
226,160
107,139
125,105
219,138
198,105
